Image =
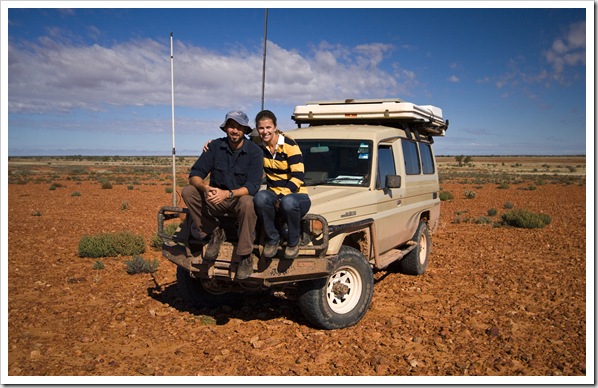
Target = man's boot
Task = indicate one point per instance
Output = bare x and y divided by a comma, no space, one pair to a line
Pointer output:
245,267
213,248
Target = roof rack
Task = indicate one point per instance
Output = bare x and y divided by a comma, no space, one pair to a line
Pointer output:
392,112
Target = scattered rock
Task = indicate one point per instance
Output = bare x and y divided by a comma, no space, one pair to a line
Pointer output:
493,331
35,355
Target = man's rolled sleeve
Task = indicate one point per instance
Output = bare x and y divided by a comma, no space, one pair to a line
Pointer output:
204,164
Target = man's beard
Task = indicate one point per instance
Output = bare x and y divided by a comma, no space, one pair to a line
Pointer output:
236,141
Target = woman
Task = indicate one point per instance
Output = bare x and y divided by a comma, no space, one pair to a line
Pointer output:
285,194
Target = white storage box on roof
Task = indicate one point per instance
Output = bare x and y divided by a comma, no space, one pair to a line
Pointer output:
371,111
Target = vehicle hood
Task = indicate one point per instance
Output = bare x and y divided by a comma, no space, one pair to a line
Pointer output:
341,204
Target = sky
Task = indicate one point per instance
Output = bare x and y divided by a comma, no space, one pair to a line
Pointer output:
96,80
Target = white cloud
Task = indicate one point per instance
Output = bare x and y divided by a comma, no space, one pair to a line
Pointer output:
53,76
57,74
565,52
453,79
568,50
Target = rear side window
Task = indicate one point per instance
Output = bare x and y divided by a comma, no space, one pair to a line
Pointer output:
427,160
411,157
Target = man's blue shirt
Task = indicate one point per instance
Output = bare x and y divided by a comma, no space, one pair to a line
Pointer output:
230,169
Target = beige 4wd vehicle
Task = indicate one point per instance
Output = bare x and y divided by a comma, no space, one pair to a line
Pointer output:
373,183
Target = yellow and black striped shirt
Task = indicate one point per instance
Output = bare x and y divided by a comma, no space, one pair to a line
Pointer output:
284,169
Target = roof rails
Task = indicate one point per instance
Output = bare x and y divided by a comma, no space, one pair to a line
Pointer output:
392,112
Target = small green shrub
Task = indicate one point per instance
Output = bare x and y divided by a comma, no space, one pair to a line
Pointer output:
36,213
140,265
503,186
508,205
207,320
168,190
106,185
470,194
445,196
155,242
483,220
124,205
75,194
53,187
130,187
111,245
520,218
170,229
98,265
458,219
492,212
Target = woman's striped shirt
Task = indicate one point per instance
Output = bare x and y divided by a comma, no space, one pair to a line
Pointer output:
284,168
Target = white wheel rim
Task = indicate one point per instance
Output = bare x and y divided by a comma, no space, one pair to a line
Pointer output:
344,290
423,249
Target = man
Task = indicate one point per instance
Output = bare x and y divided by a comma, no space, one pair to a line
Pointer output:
234,164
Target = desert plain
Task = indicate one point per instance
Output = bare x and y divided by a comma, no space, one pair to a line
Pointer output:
495,300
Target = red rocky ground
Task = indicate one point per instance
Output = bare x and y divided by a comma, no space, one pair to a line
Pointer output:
494,301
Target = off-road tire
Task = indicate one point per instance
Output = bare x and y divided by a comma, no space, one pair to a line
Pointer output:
354,282
416,261
195,293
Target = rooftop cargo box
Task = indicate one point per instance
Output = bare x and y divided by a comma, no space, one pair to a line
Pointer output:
389,112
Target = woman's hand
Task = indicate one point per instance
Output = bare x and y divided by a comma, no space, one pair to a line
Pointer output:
205,146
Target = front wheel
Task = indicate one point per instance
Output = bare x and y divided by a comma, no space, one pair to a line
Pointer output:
341,299
416,261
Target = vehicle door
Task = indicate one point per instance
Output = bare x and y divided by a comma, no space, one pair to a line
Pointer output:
389,200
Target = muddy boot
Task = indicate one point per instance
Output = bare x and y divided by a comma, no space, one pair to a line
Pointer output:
245,267
291,252
270,250
213,248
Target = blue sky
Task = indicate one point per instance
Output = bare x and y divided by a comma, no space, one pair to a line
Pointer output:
96,81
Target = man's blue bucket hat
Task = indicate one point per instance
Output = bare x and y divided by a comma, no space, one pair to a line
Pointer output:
239,117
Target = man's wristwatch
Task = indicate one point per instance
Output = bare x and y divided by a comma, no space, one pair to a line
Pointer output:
230,194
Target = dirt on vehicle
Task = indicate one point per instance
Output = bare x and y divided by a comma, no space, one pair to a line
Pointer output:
494,301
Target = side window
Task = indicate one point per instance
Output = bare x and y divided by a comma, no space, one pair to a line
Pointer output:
411,157
425,151
386,164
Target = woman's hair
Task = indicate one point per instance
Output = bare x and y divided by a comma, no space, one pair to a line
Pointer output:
265,114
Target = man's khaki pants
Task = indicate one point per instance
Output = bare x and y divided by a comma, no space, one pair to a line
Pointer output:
205,215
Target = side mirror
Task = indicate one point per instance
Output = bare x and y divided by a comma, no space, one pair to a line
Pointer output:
393,181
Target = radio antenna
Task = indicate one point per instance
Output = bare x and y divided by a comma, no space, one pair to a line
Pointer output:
264,63
174,199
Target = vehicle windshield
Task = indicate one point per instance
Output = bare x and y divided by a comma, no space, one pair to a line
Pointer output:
336,162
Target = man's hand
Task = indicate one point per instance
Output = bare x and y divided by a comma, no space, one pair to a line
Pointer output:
215,195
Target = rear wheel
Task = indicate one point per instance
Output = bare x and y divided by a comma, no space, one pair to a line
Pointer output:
416,261
200,293
341,299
